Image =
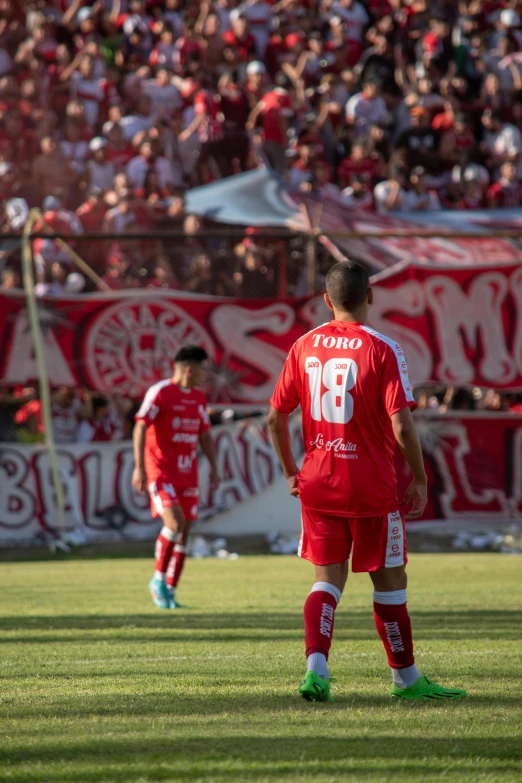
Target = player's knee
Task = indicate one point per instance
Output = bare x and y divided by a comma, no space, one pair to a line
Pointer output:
389,579
174,519
335,574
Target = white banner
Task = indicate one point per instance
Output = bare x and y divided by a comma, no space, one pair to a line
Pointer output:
98,491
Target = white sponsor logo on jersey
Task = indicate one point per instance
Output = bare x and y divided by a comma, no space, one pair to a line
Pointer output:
333,445
184,437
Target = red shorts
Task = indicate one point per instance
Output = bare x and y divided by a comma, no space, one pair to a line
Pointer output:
373,542
163,494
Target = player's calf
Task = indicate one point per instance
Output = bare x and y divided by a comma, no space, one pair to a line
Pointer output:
174,524
393,625
319,613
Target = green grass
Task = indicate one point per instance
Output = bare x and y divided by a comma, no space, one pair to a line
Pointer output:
98,685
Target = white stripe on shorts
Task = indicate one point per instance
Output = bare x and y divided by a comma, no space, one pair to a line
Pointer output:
156,499
395,541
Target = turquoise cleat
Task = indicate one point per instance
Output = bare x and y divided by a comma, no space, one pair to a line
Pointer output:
172,597
159,592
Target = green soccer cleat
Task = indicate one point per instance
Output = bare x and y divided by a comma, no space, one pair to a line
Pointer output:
159,592
426,689
315,688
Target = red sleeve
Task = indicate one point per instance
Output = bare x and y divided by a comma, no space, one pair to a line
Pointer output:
285,398
150,407
494,193
200,104
396,389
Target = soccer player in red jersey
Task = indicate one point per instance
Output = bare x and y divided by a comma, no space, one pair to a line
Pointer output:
356,400
170,424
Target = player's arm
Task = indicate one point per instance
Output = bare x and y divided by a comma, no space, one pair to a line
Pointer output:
280,434
409,444
209,450
139,477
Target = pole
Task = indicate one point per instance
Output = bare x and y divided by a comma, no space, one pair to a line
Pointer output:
45,392
311,263
76,259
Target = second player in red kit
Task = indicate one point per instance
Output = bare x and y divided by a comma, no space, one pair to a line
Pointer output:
353,387
170,425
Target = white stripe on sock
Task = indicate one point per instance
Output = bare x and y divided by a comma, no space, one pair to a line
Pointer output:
393,598
169,534
326,587
180,548
317,662
404,678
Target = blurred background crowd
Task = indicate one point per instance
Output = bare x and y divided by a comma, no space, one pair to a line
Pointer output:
110,110
80,416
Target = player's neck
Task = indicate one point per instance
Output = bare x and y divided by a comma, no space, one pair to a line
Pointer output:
359,316
182,383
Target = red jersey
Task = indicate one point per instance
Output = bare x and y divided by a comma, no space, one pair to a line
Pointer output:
175,418
348,379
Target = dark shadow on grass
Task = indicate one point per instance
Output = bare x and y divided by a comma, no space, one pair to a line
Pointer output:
453,624
217,700
251,757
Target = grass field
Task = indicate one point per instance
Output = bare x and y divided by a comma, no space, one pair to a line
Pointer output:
98,685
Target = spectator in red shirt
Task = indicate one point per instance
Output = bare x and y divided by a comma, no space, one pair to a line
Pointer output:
92,212
118,150
256,82
360,162
507,191
274,109
100,425
238,37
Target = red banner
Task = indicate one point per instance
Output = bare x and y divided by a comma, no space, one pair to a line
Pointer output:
474,465
123,343
456,325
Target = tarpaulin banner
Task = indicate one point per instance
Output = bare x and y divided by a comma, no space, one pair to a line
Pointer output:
473,462
460,326
122,343
97,485
474,465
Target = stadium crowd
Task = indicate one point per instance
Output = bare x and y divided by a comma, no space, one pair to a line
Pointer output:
110,110
80,416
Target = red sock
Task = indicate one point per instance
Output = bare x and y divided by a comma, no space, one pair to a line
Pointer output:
164,546
394,627
319,610
176,565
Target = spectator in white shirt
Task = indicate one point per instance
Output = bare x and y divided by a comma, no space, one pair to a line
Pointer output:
143,120
367,107
100,170
168,176
390,195
258,14
163,94
358,195
354,16
502,141
419,198
88,90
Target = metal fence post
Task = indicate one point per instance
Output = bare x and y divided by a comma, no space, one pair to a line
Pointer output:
311,263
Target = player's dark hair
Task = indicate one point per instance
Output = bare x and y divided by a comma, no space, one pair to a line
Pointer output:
347,285
191,354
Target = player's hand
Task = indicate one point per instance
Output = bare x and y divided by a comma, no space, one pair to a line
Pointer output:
293,486
417,494
139,480
215,480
